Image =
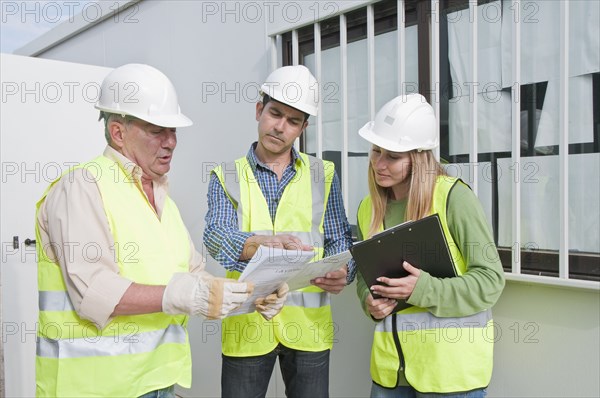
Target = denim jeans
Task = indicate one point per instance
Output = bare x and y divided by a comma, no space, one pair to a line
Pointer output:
408,392
305,374
167,392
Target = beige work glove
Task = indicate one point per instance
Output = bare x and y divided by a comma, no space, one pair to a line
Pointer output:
271,305
201,293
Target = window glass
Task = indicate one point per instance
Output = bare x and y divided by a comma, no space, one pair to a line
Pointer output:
539,105
537,100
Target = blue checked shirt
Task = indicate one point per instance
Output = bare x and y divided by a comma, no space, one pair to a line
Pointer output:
225,241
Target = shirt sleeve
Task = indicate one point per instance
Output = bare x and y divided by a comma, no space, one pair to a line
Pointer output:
197,263
338,235
481,285
73,222
222,236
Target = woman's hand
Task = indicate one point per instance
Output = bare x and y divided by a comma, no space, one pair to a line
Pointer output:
398,288
381,307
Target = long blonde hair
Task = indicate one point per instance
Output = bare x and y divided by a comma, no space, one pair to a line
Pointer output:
424,171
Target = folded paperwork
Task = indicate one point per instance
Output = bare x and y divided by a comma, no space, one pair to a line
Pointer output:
271,267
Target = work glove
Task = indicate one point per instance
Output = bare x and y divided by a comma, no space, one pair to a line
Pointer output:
271,305
200,293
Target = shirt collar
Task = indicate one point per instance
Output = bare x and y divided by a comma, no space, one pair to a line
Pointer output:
254,161
130,167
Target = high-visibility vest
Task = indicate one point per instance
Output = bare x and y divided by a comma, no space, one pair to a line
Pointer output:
305,322
133,354
438,355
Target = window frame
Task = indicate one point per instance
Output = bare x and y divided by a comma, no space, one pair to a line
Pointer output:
581,266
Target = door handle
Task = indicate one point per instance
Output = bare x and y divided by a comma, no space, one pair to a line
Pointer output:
28,242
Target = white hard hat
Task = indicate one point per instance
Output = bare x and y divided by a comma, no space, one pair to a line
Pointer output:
294,86
405,123
143,92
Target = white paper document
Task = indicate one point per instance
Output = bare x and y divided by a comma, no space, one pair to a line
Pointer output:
271,267
318,269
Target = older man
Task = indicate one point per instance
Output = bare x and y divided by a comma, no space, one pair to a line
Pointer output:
113,322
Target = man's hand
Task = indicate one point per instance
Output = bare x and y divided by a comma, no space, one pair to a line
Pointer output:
271,305
285,241
201,293
334,281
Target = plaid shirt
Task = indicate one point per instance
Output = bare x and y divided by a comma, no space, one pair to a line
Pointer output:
225,241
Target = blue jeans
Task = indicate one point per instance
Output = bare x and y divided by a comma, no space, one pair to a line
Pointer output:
305,374
408,392
168,392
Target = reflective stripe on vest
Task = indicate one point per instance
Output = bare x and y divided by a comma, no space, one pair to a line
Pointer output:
74,358
440,355
300,298
54,301
427,321
300,212
109,345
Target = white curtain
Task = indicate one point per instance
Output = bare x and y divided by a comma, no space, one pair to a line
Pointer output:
386,83
540,206
540,60
581,113
494,122
540,28
540,40
386,88
494,106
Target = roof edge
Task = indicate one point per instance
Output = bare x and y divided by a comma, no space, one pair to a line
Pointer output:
69,28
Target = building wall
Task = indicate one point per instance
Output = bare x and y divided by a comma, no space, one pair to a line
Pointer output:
547,342
216,56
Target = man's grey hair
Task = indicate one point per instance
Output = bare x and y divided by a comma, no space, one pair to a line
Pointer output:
113,117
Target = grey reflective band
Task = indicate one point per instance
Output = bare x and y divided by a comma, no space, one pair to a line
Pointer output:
317,178
308,299
118,344
50,300
426,320
232,185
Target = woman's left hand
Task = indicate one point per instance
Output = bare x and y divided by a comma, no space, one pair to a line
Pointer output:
398,288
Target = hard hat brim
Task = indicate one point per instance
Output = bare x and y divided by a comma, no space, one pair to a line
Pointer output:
168,121
311,110
368,134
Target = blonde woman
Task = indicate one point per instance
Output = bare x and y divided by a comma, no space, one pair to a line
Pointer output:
443,343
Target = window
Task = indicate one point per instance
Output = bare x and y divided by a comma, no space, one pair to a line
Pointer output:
501,126
357,98
537,170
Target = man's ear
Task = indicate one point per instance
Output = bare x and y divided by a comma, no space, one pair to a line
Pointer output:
116,131
259,109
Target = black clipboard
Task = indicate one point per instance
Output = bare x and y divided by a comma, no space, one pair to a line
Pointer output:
421,243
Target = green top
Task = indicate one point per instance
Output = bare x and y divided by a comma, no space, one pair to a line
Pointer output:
480,287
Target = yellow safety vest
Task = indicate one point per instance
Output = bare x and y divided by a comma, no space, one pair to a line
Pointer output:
305,323
133,354
437,355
